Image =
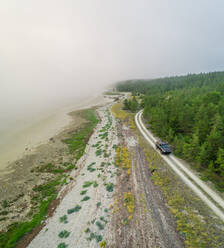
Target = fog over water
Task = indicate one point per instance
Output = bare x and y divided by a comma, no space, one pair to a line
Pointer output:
53,53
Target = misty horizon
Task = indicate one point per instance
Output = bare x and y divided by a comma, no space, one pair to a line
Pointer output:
53,52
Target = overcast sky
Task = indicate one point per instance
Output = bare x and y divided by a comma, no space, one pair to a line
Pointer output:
52,51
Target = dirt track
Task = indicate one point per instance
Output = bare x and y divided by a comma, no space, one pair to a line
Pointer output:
152,224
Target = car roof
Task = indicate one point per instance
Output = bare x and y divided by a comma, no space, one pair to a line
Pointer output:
162,143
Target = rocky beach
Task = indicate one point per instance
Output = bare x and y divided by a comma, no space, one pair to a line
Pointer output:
34,168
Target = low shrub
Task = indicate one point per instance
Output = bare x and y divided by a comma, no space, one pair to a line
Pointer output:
75,209
63,219
63,234
83,192
86,198
110,187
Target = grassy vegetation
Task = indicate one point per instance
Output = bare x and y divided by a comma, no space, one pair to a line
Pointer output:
85,198
103,244
129,203
45,193
49,168
99,225
95,184
125,116
17,230
91,169
102,219
63,219
87,230
98,152
110,187
77,143
83,192
122,159
63,234
118,112
48,189
62,245
87,184
95,236
54,169
75,209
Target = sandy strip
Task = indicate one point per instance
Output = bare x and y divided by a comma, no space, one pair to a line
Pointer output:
89,214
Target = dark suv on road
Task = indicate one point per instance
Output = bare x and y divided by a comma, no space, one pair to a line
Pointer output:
163,147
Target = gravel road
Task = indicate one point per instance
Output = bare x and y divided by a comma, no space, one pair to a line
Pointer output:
199,187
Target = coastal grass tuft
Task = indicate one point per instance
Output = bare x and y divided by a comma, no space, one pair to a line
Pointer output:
100,225
83,192
103,219
62,245
110,187
63,219
87,184
95,184
95,236
98,152
103,244
63,234
90,167
86,198
87,230
75,209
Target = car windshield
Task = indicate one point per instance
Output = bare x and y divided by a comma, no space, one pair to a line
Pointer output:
165,146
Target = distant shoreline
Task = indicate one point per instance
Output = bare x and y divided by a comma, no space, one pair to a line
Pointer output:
25,142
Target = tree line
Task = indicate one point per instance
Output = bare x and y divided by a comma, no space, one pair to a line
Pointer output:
131,104
188,112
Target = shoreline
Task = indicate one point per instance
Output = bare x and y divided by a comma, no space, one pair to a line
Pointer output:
25,141
23,175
